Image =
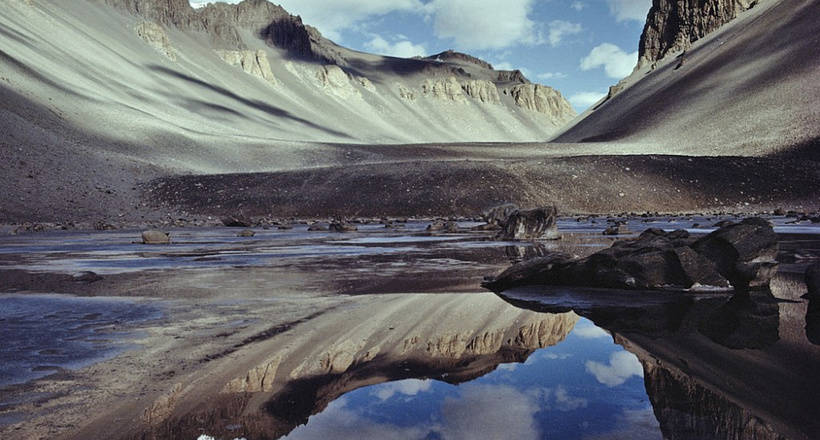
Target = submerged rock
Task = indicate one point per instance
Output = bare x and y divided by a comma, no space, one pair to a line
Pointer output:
532,224
155,236
618,229
317,227
86,276
342,226
739,255
246,233
442,226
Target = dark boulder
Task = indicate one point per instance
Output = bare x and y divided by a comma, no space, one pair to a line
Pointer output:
744,253
246,233
236,222
342,226
739,255
498,215
531,224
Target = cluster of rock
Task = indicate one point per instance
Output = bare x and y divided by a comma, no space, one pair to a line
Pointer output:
739,255
252,62
673,25
155,36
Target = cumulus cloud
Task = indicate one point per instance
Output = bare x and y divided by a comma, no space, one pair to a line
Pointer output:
591,332
634,424
409,387
578,6
332,17
622,365
558,29
625,10
582,100
339,421
484,24
616,63
402,48
489,411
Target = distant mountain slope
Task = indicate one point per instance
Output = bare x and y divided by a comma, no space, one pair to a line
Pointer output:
751,87
124,68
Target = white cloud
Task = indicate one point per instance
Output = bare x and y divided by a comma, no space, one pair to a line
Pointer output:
484,24
622,365
634,424
565,402
409,387
578,6
489,411
591,332
332,17
338,421
403,48
624,10
616,63
583,100
558,29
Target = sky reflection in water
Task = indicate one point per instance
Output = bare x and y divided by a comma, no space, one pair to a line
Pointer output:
586,387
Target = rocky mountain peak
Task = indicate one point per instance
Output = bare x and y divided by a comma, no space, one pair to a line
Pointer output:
673,25
451,55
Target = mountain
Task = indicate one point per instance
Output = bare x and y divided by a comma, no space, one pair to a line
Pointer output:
716,77
116,109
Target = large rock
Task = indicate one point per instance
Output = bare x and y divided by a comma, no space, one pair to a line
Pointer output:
155,236
532,224
498,214
739,255
252,62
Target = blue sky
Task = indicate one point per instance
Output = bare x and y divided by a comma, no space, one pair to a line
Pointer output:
579,47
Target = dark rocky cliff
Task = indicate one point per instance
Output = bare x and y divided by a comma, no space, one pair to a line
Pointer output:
673,25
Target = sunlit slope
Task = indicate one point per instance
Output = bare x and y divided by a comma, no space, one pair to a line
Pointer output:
750,88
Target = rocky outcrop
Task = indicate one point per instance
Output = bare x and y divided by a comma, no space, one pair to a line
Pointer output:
482,90
532,224
673,25
542,99
514,76
155,35
224,24
739,255
251,62
448,89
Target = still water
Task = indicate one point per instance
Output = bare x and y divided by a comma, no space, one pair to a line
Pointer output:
584,387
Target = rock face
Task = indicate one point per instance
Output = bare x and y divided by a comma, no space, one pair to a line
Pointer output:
448,89
739,255
541,99
451,55
251,62
532,224
482,90
673,25
155,35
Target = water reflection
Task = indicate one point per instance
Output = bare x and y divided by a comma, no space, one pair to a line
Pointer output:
714,366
